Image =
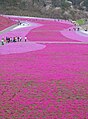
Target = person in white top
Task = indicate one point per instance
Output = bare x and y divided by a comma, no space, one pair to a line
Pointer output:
20,38
2,41
25,38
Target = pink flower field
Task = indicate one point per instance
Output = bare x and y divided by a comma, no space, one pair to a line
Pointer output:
5,23
47,76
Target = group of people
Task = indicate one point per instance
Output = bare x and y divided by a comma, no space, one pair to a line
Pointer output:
74,29
12,39
77,29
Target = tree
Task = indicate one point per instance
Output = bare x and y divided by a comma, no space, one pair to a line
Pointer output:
64,4
56,3
86,4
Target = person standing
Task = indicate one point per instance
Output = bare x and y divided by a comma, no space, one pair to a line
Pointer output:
20,38
11,39
78,29
2,41
25,38
14,40
6,39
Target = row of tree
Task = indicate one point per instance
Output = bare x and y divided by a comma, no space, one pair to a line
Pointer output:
55,3
75,3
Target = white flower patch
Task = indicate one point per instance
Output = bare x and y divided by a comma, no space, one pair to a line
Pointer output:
23,25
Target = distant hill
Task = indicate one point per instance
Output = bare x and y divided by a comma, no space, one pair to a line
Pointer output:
65,9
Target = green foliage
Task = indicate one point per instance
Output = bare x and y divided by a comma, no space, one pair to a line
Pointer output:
64,4
86,3
80,21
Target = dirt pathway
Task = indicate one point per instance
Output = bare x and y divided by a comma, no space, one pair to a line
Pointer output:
8,29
